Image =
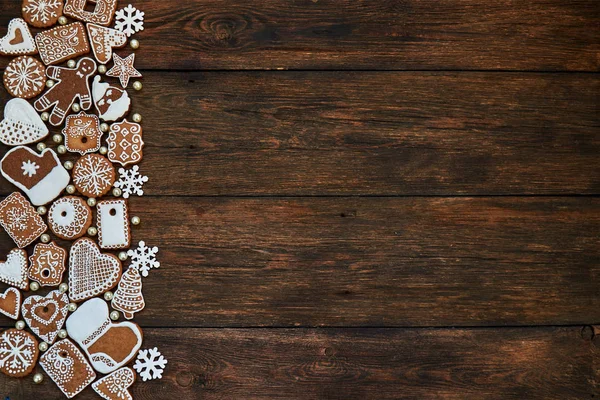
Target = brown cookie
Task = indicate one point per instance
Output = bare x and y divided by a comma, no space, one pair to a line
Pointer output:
111,102
18,353
69,217
10,303
82,133
47,264
20,220
103,40
18,40
67,367
129,298
123,69
115,385
102,15
62,43
14,270
25,77
45,316
113,224
42,13
93,175
125,143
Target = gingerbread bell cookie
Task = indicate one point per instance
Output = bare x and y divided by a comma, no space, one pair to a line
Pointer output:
47,264
82,133
67,367
111,102
18,41
10,303
104,40
69,217
25,77
45,316
18,353
20,220
115,386
93,175
42,13
62,43
125,143
21,124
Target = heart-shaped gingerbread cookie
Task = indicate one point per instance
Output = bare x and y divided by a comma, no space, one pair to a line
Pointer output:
21,124
10,303
18,41
91,272
46,315
14,270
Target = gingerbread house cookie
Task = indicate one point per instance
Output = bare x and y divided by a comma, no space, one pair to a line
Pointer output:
102,13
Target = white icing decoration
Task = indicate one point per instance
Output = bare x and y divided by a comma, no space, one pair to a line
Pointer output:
117,108
21,124
27,46
150,364
14,270
14,313
113,230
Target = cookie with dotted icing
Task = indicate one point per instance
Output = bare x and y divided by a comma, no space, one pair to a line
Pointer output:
102,13
13,271
47,264
82,133
93,175
45,316
67,367
18,41
69,217
125,143
10,303
25,77
42,13
104,40
115,386
62,43
20,220
19,353
21,124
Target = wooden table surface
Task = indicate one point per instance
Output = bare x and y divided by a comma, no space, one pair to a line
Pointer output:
367,199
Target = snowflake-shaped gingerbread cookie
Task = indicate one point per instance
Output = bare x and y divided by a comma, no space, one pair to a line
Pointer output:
144,258
150,364
93,175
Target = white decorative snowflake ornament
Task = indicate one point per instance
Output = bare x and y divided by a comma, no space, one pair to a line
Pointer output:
150,364
131,181
144,258
129,20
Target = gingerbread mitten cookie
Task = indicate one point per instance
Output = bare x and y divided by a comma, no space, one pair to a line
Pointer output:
62,43
18,41
25,77
115,385
103,40
102,14
14,270
41,176
67,367
125,143
82,133
18,353
93,175
46,315
69,217
42,13
20,220
47,264
113,224
10,303
21,124
109,345
111,102
72,84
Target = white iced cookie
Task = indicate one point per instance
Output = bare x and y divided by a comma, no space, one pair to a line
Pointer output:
69,217
18,41
21,124
111,102
113,224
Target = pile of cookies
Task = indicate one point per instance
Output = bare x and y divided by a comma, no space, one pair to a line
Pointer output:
81,201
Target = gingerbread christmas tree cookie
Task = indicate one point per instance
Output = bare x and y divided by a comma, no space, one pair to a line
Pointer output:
128,297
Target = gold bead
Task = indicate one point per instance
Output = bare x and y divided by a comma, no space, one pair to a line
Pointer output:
43,346
108,296
38,378
63,334
68,164
42,210
62,20
137,85
104,127
117,192
61,149
45,238
34,286
91,202
102,69
57,139
71,63
136,220
41,146
92,231
71,189
123,256
45,116
135,44
103,150
76,107
63,287
137,118
72,307
114,315
49,83
20,325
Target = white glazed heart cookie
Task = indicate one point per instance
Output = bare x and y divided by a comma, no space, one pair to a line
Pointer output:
21,124
69,217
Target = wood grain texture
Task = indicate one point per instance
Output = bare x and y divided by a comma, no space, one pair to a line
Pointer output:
365,133
369,261
377,364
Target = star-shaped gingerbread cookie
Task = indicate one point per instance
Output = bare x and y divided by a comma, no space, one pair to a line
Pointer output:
124,69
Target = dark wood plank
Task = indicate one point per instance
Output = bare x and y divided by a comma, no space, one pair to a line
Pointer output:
361,364
369,261
366,34
363,133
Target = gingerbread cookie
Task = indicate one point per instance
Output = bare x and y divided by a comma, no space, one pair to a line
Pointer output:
113,224
109,345
125,143
82,133
93,175
20,220
42,13
102,15
124,69
10,303
25,77
69,217
21,124
91,272
14,270
41,176
47,264
115,385
18,41
45,316
73,84
62,43
111,102
18,353
128,297
103,40
67,367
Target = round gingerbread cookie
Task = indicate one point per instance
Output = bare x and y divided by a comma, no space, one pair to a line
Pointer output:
25,77
93,175
69,217
42,13
20,353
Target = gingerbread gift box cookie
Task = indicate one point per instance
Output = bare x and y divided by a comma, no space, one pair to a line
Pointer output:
18,353
21,124
41,176
67,367
20,220
62,43
47,264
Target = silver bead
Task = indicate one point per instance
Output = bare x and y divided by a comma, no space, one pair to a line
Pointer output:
123,256
38,378
108,296
41,146
45,238
34,286
76,107
71,63
63,334
49,83
63,287
71,189
137,118
68,165
135,44
45,116
61,149
92,231
104,127
117,192
114,315
136,220
102,69
57,139
20,325
42,210
43,346
103,150
137,85
72,307
62,20
91,202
